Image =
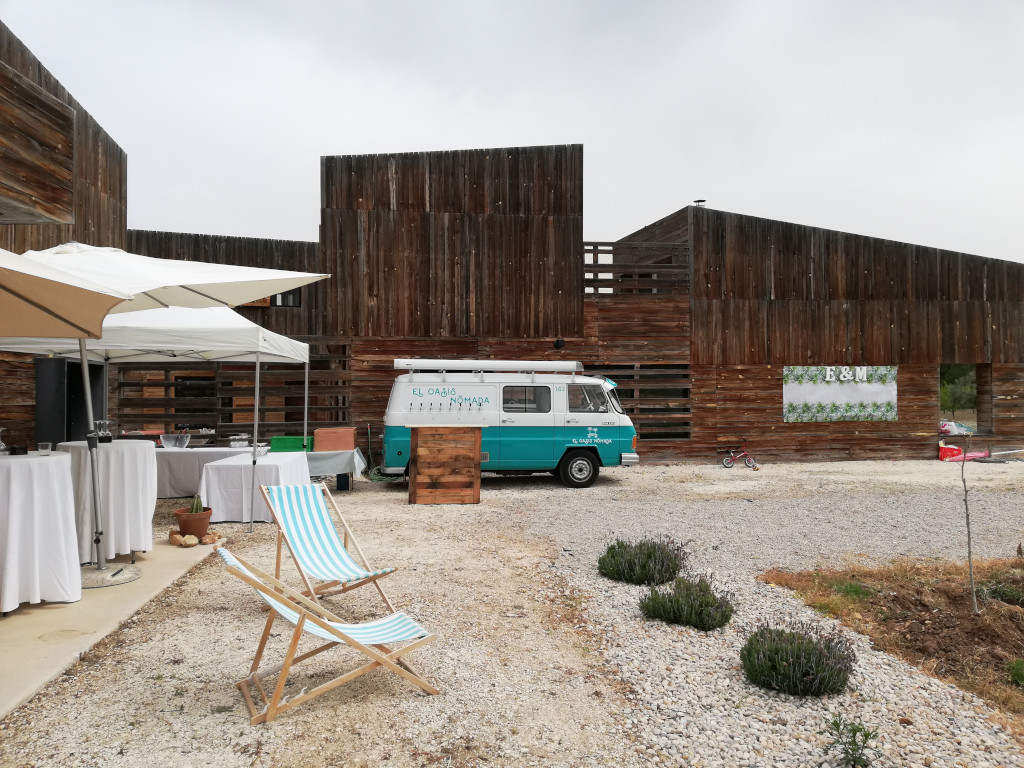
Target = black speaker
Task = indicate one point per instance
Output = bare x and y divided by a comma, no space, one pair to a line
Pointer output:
60,399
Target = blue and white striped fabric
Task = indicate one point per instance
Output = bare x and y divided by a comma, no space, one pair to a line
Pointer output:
394,628
310,530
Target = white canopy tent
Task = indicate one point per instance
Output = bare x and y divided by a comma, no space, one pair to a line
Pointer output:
177,334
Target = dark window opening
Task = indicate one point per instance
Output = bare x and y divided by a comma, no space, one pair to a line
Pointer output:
526,399
292,298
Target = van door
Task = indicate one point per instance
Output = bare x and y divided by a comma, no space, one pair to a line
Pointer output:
527,427
589,420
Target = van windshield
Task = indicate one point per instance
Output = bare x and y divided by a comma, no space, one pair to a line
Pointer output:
614,398
587,398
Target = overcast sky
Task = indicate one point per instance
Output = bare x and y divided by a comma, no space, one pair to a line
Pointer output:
902,120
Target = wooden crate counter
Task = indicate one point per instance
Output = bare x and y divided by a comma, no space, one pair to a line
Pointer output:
444,464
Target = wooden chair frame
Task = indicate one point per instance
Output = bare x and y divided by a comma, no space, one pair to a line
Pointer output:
379,655
326,588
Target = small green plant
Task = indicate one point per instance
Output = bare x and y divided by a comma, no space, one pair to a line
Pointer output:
851,740
196,507
1010,594
1016,670
692,603
802,661
852,589
647,561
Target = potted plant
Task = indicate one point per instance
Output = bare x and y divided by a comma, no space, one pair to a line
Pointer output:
194,519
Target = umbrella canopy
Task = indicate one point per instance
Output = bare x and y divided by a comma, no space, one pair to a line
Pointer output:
173,334
42,300
154,283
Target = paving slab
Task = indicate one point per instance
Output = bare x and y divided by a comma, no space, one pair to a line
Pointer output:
38,642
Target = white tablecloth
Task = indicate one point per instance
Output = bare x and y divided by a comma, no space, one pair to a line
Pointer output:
127,496
336,462
226,486
179,470
38,543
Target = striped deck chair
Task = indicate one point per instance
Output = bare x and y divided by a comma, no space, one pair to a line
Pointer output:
374,639
305,526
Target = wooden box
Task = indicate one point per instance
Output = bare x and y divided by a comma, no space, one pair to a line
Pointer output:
445,465
334,439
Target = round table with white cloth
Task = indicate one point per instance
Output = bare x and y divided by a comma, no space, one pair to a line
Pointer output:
127,480
38,542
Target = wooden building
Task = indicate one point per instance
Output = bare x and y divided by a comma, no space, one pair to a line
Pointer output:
480,254
700,317
62,178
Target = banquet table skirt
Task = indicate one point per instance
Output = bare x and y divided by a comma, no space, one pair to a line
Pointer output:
127,480
180,470
336,462
226,486
38,543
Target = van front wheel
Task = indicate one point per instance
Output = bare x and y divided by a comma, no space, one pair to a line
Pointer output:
578,469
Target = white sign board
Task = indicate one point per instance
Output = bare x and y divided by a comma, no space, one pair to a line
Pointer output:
839,393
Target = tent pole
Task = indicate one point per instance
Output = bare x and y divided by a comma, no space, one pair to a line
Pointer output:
255,440
305,410
93,442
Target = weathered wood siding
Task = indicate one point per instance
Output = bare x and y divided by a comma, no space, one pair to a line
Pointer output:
295,255
100,170
462,243
74,180
36,153
766,294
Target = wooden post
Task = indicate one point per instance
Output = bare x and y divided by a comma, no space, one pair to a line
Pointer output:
444,465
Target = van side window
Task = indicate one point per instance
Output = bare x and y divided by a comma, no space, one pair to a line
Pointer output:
587,398
526,399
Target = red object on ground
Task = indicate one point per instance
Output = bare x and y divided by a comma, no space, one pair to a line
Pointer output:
969,456
950,452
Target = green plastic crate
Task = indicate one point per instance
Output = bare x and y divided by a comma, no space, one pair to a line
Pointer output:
285,444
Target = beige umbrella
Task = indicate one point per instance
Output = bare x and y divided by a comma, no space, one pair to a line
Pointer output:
41,300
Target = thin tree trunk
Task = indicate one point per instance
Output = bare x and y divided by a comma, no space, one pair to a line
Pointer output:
967,516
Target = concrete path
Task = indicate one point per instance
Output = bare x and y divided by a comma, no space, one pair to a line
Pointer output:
38,642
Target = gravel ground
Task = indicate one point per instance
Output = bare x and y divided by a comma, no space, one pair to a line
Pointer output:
539,660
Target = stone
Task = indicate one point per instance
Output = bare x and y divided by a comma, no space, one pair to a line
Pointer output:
189,541
176,538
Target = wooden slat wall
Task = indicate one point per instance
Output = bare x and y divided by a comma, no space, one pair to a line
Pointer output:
36,153
96,196
100,169
461,243
295,255
767,294
784,293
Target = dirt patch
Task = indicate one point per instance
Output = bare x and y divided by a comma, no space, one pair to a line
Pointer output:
921,611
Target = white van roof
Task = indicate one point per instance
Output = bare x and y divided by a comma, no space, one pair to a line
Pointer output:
518,366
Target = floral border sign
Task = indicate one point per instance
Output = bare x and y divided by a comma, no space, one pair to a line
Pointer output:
839,393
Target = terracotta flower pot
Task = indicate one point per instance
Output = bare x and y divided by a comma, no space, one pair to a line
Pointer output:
195,524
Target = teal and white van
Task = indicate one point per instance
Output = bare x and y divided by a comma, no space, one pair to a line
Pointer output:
537,416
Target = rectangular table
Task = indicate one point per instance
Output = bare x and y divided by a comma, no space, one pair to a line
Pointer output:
226,486
180,470
127,496
38,539
336,463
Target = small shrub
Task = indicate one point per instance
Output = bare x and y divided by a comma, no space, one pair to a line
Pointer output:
693,603
851,739
1016,670
647,561
803,661
1006,593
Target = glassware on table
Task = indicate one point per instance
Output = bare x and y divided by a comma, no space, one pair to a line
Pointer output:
102,432
3,448
239,441
44,448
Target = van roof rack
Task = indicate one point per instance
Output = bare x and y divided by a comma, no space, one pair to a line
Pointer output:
528,366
